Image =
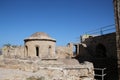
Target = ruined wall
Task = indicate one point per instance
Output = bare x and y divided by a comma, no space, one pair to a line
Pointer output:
62,68
11,51
101,51
64,51
44,51
101,46
49,69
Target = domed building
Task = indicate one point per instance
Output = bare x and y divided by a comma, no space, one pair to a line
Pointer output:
40,44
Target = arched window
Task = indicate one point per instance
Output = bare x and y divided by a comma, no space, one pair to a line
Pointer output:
101,50
37,51
26,50
49,49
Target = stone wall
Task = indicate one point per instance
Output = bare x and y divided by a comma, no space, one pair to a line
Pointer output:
45,48
13,51
60,68
100,46
64,51
59,51
101,51
49,69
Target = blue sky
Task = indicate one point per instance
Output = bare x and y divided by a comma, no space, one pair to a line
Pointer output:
64,20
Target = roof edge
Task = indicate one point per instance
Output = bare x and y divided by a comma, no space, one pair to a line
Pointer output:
39,40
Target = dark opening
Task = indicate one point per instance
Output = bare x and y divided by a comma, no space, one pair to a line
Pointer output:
49,50
75,50
101,50
26,50
37,51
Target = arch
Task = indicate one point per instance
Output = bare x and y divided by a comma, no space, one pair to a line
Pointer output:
26,50
101,50
37,50
75,49
49,50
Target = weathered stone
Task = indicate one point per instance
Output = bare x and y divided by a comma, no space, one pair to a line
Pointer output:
40,59
41,45
51,71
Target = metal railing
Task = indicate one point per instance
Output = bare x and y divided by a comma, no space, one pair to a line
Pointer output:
102,30
102,74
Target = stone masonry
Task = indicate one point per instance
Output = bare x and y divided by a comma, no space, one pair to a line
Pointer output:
101,51
41,45
40,58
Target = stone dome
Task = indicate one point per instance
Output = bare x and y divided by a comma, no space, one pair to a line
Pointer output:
39,36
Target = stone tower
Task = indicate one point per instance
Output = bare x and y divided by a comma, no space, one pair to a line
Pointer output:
40,44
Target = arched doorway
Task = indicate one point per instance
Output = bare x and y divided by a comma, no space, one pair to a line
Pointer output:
37,51
74,50
100,50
